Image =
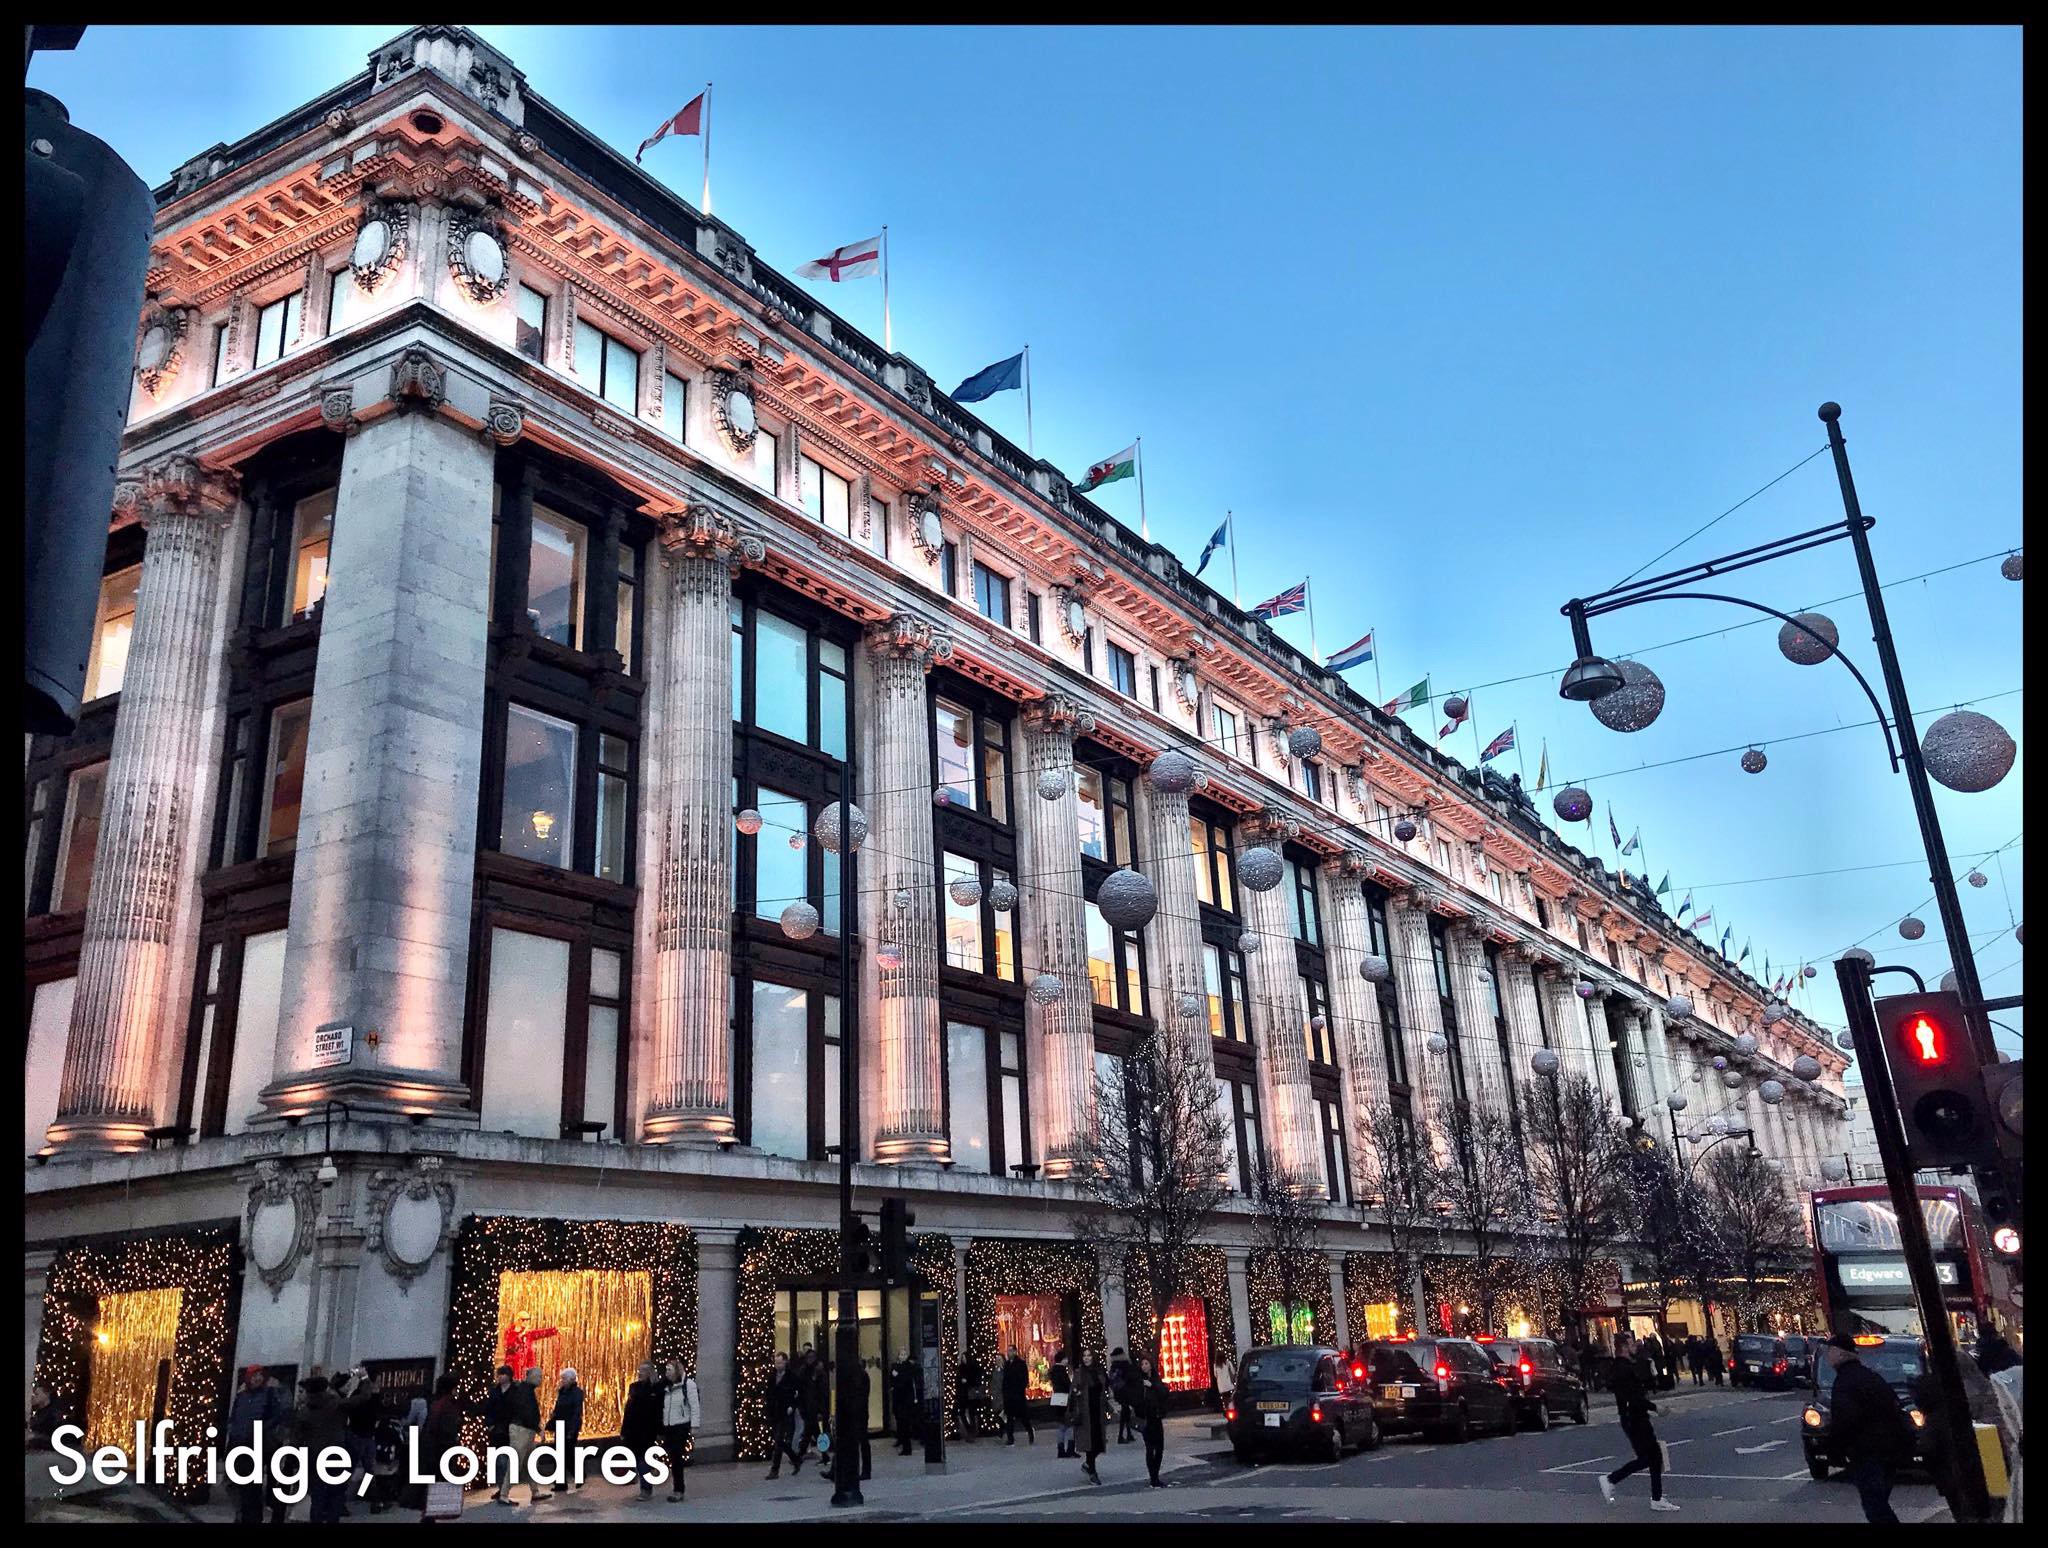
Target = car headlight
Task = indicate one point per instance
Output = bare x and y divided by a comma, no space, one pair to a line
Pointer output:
1813,1418
1919,1419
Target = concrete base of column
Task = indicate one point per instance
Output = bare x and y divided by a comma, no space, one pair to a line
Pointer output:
913,1152
706,1131
420,1096
98,1134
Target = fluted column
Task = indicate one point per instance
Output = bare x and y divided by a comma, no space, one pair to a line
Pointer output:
1519,989
689,1079
911,1088
1279,1037
121,1015
1173,940
1060,1037
1355,1028
1421,1015
1599,1057
1567,1014
1478,1041
1657,1044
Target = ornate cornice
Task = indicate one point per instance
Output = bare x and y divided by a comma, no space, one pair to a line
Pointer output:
178,485
1270,825
905,636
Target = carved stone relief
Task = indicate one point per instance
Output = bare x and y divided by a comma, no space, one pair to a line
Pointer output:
411,1217
278,1224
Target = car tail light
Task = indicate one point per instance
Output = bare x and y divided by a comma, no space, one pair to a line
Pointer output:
1358,1373
1778,1369
1919,1419
1442,1371
1315,1413
1867,1339
1525,1367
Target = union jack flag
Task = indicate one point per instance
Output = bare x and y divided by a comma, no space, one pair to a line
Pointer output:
1505,742
1292,600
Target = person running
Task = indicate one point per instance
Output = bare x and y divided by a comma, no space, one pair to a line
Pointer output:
1632,1398
1869,1427
1016,1392
1147,1395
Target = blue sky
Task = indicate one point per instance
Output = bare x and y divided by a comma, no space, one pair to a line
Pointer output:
1471,320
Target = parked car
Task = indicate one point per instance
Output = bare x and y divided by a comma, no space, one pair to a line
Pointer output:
1900,1359
1759,1360
1536,1374
1436,1386
1300,1398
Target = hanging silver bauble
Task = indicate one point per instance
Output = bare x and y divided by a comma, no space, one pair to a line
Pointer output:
1677,1006
1173,772
1805,1067
1967,751
2019,933
1127,899
1775,1013
1948,982
943,796
1247,943
1858,954
748,820
1833,1169
1189,1006
1635,704
1572,804
1754,761
1732,1079
1543,1061
1801,648
799,921
1720,1061
889,955
1586,990
1304,741
1845,1041
826,828
1404,828
1978,879
1374,969
1745,1043
1772,1092
1002,895
1699,1077
1046,989
1052,784
1808,971
1483,976
1676,1101
1319,1023
1259,869
965,890
1455,707
2010,569
1436,1042
1912,929
796,841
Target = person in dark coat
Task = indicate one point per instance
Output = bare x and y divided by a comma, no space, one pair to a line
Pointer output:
1717,1363
566,1420
1994,1354
364,1406
778,1400
852,1426
1121,1372
968,1396
1016,1392
815,1400
321,1423
1062,1379
1091,1392
1147,1394
1869,1427
640,1425
259,1400
439,1435
906,1398
1632,1398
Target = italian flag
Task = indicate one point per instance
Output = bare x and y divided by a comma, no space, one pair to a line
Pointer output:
1408,698
1110,469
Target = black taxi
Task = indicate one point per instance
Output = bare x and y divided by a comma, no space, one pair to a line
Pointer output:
1299,1398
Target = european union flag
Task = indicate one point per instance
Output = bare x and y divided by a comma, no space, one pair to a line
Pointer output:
990,380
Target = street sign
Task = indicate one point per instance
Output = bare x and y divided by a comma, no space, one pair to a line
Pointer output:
333,1044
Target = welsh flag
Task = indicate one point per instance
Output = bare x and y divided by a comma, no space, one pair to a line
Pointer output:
1408,698
1123,465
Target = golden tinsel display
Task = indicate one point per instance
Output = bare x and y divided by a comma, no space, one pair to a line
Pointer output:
1454,1281
581,1277
996,1267
113,1311
1271,1317
1373,1279
767,1257
1206,1278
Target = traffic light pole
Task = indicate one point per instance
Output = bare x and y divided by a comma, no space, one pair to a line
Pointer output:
846,1330
1944,1360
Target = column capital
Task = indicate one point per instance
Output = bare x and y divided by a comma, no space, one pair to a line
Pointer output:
1058,714
1270,825
702,533
905,636
178,485
1347,865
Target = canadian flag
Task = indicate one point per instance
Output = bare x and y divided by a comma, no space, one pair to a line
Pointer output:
689,121
856,260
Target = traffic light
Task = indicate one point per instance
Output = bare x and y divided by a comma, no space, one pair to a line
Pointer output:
896,1223
861,1255
1937,1080
2004,1091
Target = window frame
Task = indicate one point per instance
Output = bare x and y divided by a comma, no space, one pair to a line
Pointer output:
607,341
989,581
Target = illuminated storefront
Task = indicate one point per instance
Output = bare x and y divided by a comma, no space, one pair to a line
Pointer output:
596,1321
1036,1326
132,1363
1184,1346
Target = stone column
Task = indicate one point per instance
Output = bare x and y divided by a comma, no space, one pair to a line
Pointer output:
1599,1057
1174,938
1355,1029
1116,1310
961,1336
1478,1041
1287,1111
1421,1016
384,874
1657,1044
718,1261
1060,1037
689,1077
126,1014
336,1278
1567,1018
910,1081
1343,1328
1526,1025
1237,1269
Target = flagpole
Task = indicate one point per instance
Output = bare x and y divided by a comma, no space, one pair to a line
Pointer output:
707,148
888,342
1308,595
1236,596
1030,438
1521,767
1477,745
1144,525
1379,695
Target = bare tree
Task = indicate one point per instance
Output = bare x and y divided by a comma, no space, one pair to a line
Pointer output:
1483,1190
1667,1222
1287,1228
1152,1168
1404,1180
1756,1222
1575,1179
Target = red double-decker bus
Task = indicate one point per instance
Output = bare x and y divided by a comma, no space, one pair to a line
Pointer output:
1860,1263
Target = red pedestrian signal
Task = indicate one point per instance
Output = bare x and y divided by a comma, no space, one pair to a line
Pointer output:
1935,1077
1926,1039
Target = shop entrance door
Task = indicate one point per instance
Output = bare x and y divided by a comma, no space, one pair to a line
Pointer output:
805,1313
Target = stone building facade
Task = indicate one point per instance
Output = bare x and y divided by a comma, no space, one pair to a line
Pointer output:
497,540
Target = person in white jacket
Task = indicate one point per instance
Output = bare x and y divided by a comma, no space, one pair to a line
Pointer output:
680,1406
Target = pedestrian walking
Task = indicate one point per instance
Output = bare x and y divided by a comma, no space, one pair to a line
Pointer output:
969,1396
1016,1391
1121,1372
322,1422
817,1399
1632,1398
1062,1379
440,1433
906,1397
1717,1363
778,1397
1869,1427
640,1425
1226,1381
566,1420
258,1401
852,1426
364,1406
1148,1403
522,1428
680,1405
1091,1425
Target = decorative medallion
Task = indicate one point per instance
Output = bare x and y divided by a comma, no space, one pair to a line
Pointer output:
926,530
383,234
418,380
338,411
1187,687
278,1225
161,349
476,254
732,403
1073,616
411,1217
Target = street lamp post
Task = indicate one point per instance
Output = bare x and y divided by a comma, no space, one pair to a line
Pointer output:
846,1329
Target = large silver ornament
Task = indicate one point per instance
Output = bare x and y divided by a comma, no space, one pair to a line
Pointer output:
1052,784
1002,895
1912,929
1247,943
902,897
1543,1061
2010,569
1833,1169
1677,1007
1455,707
965,890
1720,1061
1772,1092
1805,1067
1846,1041
1127,899
1774,1013
1967,751
889,955
1699,1077
1745,1043
1635,704
1190,1006
1732,1079
1259,869
1304,741
826,828
748,820
1586,990
1801,648
1676,1101
1808,971
1754,761
1046,989
1374,969
1173,772
1977,879
799,921
1404,828
1948,982
1573,804
943,796
1436,1042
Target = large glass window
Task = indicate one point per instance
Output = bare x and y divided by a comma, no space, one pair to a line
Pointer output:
607,367
312,541
766,447
964,946
826,497
1440,959
289,725
530,331
277,328
991,594
113,627
614,780
1392,1043
342,295
781,1083
1105,815
601,1043
675,403
1315,1019
1215,872
525,1033
81,841
629,584
1230,735
779,848
1123,669
537,818
220,355
554,585
1116,965
971,756
967,1097
1249,1146
1333,1151
1308,917
1223,981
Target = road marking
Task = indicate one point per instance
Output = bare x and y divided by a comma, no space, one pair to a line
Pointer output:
1750,1451
1788,1419
1787,1477
1567,1467
1736,1431
1686,1442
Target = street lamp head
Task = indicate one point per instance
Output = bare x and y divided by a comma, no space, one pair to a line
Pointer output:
1589,678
